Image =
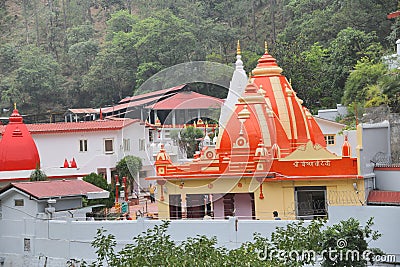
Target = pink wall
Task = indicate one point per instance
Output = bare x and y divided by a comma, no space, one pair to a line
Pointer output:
243,206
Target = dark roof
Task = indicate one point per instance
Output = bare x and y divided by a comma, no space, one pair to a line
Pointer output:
188,100
52,189
158,93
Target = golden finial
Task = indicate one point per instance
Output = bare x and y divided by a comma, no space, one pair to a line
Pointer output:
249,81
238,51
290,81
266,47
15,105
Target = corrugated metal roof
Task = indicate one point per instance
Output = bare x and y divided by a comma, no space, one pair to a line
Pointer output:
384,197
84,126
84,110
130,105
152,94
51,189
188,100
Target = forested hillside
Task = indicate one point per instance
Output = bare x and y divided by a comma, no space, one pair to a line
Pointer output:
59,54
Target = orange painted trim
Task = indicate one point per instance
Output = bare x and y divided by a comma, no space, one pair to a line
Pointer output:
313,178
264,177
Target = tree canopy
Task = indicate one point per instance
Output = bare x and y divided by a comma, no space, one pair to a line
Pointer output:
92,53
296,244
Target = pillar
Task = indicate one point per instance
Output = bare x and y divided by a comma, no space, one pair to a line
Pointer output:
173,118
183,205
108,175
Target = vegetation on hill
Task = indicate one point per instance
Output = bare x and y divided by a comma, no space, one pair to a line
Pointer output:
59,54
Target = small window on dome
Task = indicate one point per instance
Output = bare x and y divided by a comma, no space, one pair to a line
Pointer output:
329,139
108,146
83,145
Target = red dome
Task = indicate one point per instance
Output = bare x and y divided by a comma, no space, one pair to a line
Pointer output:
17,149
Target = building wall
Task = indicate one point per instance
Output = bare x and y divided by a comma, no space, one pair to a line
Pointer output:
388,179
10,211
373,145
57,241
54,148
279,196
334,128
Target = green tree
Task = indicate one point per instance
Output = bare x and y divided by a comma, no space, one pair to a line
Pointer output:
99,181
36,77
348,236
358,85
38,175
187,139
129,167
310,242
390,85
120,21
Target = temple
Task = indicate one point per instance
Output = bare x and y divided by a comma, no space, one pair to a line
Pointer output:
270,155
16,138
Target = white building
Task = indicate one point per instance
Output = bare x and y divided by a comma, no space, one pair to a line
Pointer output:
47,199
95,146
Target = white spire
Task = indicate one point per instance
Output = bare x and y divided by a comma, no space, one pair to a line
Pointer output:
239,62
236,89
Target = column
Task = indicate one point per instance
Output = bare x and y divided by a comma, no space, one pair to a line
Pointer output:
108,175
183,206
173,118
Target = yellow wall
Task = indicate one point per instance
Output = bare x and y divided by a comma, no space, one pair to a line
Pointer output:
278,195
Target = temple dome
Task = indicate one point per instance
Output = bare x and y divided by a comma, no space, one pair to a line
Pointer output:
268,110
18,151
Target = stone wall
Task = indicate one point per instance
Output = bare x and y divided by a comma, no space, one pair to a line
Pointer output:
380,114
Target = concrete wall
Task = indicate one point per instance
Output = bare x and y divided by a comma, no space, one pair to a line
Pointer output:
9,210
54,148
279,196
388,179
375,144
63,240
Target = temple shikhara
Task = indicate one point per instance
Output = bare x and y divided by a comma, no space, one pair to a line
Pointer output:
270,155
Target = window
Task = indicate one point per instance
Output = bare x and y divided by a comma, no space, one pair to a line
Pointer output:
83,145
167,134
127,144
310,202
330,139
108,146
27,244
18,202
142,145
142,174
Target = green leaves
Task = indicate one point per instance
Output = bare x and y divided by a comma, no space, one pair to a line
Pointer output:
187,139
38,175
129,167
100,181
296,244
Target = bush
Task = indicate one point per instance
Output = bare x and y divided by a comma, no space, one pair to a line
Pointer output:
155,247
